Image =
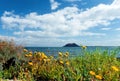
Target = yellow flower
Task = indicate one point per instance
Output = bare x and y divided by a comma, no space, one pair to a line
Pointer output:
26,55
43,56
30,63
44,60
67,63
60,54
98,77
84,47
29,55
61,62
115,68
92,72
39,54
66,54
48,60
25,50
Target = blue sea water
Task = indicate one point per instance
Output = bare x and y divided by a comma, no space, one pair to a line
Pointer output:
74,51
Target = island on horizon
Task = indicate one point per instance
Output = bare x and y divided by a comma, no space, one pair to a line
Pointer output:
71,45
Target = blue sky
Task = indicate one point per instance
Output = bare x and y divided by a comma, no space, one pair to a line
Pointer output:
57,22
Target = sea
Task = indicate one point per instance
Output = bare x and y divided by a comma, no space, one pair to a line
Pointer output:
73,51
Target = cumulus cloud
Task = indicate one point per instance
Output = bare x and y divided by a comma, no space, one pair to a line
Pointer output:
67,22
54,4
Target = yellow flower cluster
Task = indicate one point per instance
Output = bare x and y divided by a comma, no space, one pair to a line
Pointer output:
37,57
114,68
29,54
46,60
97,76
63,58
62,54
62,62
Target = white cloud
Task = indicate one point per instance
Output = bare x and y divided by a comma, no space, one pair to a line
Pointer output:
54,4
67,22
6,37
18,41
105,28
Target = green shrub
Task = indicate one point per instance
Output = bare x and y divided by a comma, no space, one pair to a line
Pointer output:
9,49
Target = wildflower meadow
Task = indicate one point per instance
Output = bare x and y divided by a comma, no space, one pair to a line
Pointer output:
37,66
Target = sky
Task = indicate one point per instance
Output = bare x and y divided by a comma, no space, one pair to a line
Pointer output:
53,23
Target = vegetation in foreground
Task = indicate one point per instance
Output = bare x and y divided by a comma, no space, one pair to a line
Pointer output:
21,64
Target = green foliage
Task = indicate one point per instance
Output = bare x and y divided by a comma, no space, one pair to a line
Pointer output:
9,49
11,72
94,65
1,75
